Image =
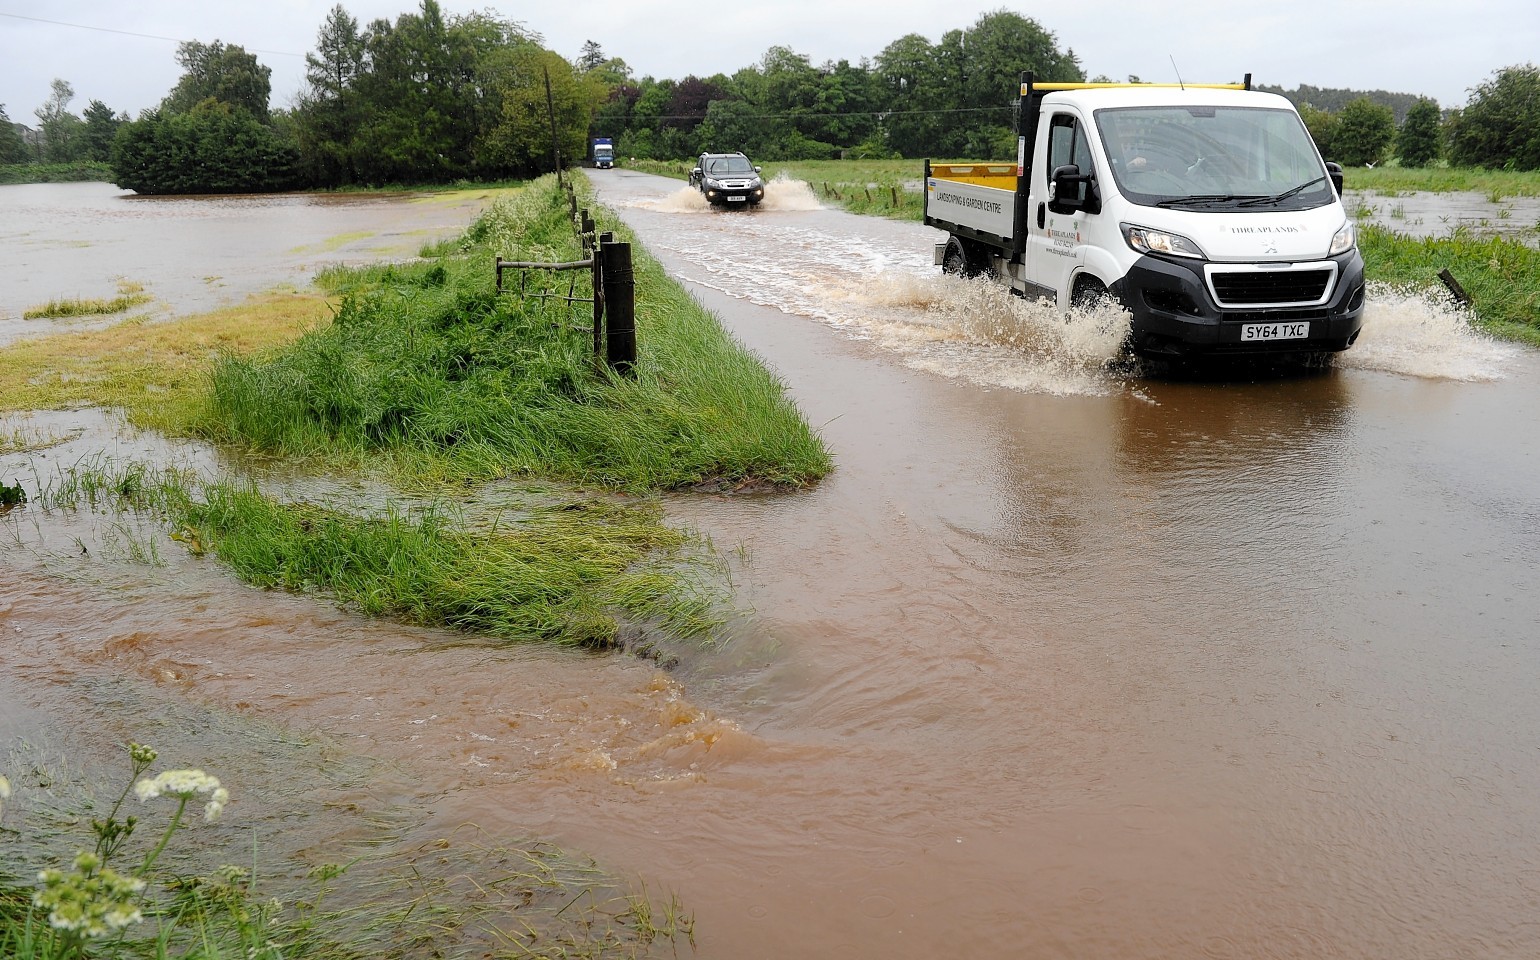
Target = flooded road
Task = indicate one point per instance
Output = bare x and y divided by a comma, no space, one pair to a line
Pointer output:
1059,662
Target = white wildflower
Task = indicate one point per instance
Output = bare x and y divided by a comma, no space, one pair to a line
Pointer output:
177,783
216,804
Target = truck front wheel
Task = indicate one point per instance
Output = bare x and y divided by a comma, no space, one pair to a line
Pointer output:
1089,294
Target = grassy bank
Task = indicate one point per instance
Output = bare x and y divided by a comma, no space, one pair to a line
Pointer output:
429,368
1501,276
1494,184
130,295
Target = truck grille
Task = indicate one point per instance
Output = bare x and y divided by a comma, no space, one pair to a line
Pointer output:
1304,285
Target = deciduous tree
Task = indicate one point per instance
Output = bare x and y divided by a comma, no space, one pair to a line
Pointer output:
1500,126
1364,133
226,73
517,140
58,128
13,149
1417,144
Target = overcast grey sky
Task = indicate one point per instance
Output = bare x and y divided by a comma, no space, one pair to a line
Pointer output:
124,53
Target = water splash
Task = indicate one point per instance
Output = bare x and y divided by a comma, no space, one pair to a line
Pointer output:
683,200
785,194
976,330
782,194
1424,334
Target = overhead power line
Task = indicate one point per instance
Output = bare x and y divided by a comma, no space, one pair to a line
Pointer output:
809,114
130,33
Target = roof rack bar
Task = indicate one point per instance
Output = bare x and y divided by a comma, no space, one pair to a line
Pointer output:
1042,87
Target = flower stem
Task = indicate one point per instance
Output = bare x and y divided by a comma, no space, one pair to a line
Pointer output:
176,819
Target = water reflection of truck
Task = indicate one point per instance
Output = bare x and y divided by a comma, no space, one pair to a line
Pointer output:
1204,210
603,150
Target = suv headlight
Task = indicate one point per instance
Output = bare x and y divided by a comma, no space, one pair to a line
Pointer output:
1149,240
713,183
1344,240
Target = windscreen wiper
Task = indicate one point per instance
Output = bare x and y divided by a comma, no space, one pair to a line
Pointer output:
1207,198
1275,198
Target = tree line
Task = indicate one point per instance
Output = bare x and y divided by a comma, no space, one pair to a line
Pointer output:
430,98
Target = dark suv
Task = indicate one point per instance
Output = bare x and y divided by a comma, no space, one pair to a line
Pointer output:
728,179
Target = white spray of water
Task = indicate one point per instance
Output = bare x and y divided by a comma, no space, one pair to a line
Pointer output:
1423,334
975,330
683,200
785,194
782,194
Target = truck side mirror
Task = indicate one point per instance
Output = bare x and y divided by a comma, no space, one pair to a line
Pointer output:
695,173
1334,170
1064,189
758,170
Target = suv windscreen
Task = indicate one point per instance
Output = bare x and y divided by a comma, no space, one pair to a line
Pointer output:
727,166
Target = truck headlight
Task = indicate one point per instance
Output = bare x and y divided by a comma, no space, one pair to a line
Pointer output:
1344,240
1149,240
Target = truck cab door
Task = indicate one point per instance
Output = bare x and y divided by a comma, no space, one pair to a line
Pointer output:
1057,225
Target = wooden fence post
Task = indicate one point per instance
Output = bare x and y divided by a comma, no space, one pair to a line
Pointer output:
619,306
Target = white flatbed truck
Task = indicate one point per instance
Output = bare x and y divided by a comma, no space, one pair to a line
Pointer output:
1205,210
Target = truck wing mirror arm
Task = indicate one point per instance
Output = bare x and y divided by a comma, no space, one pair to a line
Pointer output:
1334,170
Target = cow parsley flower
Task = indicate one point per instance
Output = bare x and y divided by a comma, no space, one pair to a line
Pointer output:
91,899
183,784
216,804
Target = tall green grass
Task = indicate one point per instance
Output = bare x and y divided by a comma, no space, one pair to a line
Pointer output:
1495,184
556,573
428,366
1501,275
566,570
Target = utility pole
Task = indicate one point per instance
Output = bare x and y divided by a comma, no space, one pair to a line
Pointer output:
550,107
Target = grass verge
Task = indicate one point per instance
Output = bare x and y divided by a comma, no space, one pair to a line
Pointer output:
427,367
1501,275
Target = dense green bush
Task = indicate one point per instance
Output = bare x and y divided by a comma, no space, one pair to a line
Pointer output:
215,148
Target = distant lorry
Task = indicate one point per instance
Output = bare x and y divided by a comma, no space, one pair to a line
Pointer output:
1205,210
603,150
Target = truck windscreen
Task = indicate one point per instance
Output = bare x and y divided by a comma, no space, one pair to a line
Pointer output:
1213,157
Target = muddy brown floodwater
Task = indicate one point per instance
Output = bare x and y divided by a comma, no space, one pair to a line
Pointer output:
1060,661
